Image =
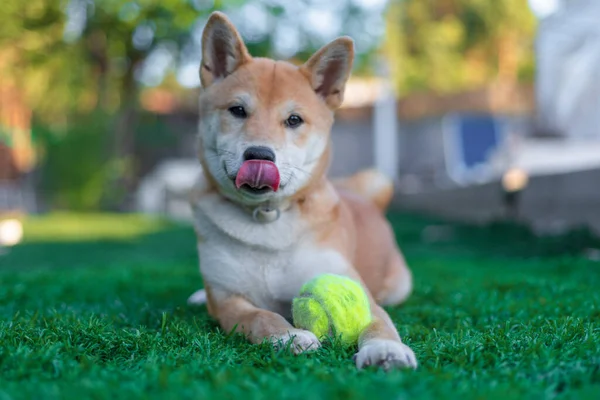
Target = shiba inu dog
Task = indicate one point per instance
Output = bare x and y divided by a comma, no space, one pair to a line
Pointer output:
267,217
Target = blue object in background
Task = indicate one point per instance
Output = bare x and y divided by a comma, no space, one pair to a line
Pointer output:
470,140
478,138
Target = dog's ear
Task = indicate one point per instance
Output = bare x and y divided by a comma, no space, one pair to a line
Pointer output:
329,68
223,50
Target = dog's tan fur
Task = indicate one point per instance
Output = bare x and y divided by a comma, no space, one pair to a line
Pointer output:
252,270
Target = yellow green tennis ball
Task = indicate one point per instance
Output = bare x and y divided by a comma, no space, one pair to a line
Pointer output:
332,304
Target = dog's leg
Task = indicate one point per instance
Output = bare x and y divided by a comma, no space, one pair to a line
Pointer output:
258,324
380,344
197,298
398,282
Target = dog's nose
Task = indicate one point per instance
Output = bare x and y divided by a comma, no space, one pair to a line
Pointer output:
259,153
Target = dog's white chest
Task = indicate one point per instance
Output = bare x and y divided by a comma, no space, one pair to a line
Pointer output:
266,263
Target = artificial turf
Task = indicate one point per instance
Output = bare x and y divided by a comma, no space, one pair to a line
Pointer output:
95,307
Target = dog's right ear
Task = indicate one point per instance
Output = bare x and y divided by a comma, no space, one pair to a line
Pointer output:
223,50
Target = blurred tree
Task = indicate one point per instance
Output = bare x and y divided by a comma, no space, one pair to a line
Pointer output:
452,45
35,59
117,36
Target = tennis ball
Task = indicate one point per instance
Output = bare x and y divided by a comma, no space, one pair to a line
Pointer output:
332,305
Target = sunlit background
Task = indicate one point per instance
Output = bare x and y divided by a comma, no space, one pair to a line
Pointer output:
479,110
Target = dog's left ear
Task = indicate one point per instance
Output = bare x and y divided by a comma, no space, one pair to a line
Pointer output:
329,68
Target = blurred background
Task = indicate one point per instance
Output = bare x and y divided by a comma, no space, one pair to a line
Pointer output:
480,110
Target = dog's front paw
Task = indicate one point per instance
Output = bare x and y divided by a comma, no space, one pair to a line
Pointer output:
386,354
298,340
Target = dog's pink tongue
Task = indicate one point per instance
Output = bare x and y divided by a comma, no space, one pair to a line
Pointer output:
258,174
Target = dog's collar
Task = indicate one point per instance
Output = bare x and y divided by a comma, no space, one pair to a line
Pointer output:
267,212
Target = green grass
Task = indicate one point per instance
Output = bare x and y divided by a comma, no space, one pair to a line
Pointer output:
95,307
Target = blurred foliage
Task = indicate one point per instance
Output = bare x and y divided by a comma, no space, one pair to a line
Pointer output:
76,61
453,45
80,55
78,166
34,58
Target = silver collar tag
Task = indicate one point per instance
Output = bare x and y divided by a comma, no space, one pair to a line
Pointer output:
264,214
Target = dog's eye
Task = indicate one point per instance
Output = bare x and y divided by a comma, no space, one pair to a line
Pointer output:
238,111
293,121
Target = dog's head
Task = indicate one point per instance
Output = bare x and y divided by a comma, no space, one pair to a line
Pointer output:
265,124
